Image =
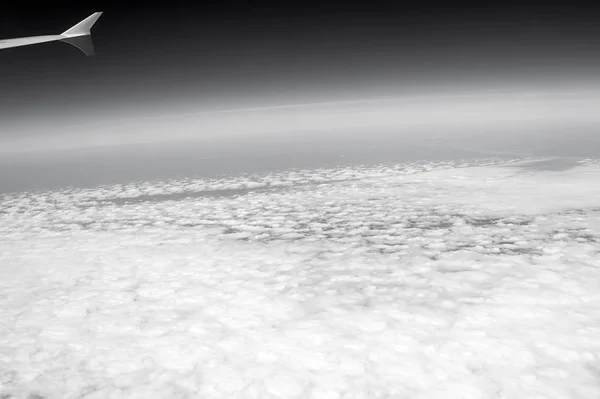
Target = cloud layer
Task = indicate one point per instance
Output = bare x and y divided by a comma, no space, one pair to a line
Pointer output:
425,280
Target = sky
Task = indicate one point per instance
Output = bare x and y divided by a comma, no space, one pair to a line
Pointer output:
153,58
155,63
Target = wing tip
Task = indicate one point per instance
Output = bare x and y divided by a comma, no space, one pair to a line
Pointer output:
83,27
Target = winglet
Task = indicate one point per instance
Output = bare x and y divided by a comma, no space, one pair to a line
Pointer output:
82,28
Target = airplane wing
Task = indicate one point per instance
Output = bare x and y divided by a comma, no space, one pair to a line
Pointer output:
79,36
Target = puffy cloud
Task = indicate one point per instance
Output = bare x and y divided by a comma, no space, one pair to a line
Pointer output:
423,280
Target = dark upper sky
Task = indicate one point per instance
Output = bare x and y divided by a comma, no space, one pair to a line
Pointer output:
155,57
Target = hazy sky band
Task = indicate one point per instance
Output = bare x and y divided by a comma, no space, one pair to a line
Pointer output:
467,114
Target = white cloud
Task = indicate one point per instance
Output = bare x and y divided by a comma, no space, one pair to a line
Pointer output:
381,282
